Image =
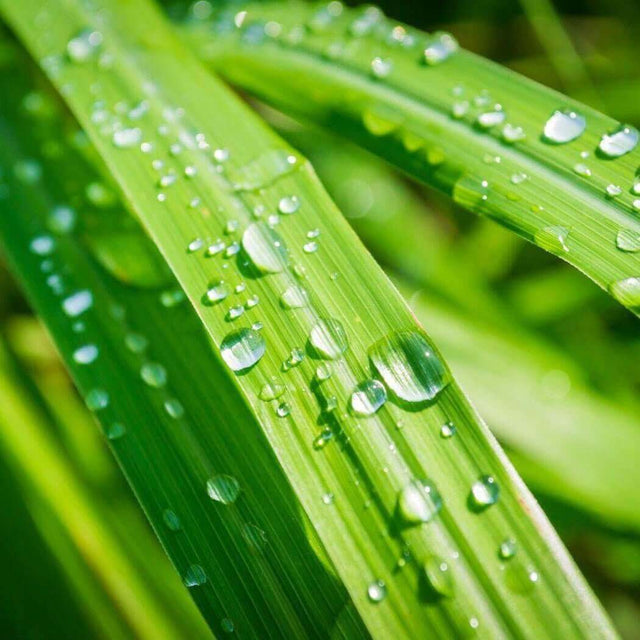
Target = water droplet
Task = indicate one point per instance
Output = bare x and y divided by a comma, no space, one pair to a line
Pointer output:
99,195
172,297
552,239
508,548
195,576
323,372
217,292
419,502
153,374
271,390
221,155
84,46
619,142
440,47
628,240
234,312
460,108
85,354
288,204
627,292
174,408
409,366
377,591
242,349
136,342
171,520
310,247
613,190
97,399
564,126
582,169
439,576
294,297
520,577
329,338
61,220
489,119
255,537
265,248
224,489
27,171
126,138
484,492
368,397
42,245
115,430
447,430
519,178
226,624
378,123
232,250
381,67
295,358
77,303
263,171
512,133
283,410
321,441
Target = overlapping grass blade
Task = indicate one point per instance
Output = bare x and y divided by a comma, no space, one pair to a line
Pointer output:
452,119
191,162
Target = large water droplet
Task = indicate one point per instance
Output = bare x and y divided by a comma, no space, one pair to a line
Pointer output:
627,292
377,591
564,126
439,576
242,349
489,119
265,247
328,338
368,397
484,492
223,488
440,47
289,204
409,366
419,502
628,240
619,142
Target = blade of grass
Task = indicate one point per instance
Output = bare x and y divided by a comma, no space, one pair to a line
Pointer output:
350,488
365,77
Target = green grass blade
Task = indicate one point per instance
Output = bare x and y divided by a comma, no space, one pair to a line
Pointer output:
356,75
353,484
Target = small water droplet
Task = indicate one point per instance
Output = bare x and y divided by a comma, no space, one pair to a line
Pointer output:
447,430
85,354
582,169
323,372
97,399
115,430
381,67
321,441
242,349
288,204
440,47
294,297
61,220
489,119
171,520
329,339
271,390
519,177
153,374
221,155
552,239
310,247
439,576
174,408
226,624
512,133
77,303
613,190
564,126
195,576
419,502
377,591
368,397
283,410
126,138
84,46
42,245
409,366
136,342
295,358
223,488
484,492
217,292
508,548
234,312
619,142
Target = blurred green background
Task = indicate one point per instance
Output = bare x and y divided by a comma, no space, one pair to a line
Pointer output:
503,312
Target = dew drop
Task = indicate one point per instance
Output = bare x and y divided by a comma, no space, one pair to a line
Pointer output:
409,366
552,239
115,430
564,126
310,247
507,549
294,297
512,133
226,624
628,240
42,245
171,520
265,248
85,354
419,502
174,408
329,339
126,138
77,303
619,142
61,220
439,576
440,47
613,190
234,312
224,489
381,67
489,119
323,372
242,349
283,410
195,576
153,374
627,292
135,342
84,46
377,591
484,492
447,430
582,169
368,397
288,205
271,390
97,399
217,292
